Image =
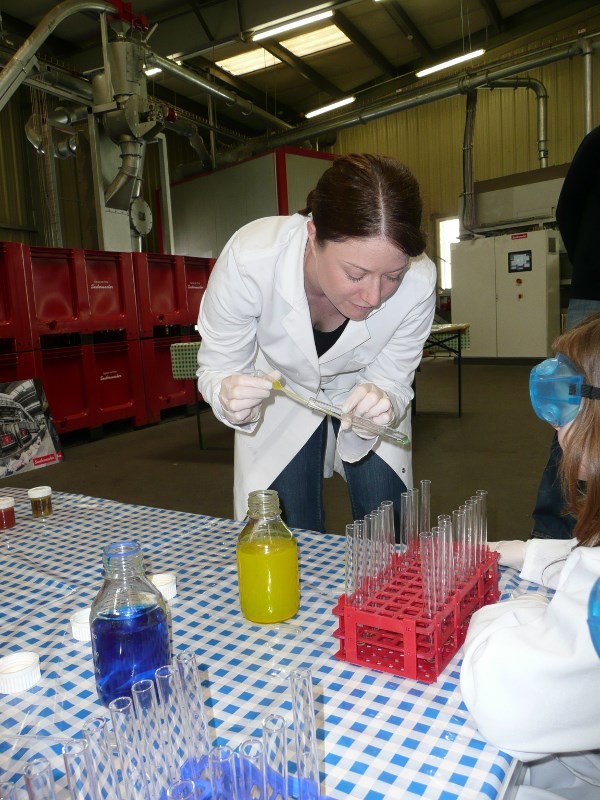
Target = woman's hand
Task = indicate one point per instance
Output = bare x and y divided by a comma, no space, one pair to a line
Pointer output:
241,396
370,402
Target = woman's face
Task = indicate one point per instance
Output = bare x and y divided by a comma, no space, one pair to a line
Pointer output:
356,275
563,436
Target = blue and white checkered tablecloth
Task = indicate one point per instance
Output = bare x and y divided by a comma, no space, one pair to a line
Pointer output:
379,736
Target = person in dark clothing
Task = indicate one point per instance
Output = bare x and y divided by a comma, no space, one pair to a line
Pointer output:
578,218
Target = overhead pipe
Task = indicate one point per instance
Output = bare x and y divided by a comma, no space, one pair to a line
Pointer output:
542,109
190,131
24,61
232,99
377,110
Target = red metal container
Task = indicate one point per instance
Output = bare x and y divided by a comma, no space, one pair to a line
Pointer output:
161,296
117,382
390,633
163,391
14,311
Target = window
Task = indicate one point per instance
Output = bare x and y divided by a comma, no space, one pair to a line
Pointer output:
447,234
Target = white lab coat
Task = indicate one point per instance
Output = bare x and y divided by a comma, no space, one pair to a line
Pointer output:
255,316
531,678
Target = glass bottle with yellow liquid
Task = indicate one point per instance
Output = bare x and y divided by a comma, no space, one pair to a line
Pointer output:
267,558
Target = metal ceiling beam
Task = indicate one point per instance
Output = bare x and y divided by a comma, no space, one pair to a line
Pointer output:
197,9
360,40
494,15
408,27
303,68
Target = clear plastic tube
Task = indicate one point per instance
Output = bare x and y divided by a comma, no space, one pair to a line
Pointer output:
305,734
275,753
252,769
38,780
222,773
81,779
153,742
97,735
127,736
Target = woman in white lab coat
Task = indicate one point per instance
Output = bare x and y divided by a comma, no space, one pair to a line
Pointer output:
530,675
339,301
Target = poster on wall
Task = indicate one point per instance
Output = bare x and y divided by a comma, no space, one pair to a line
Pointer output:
28,438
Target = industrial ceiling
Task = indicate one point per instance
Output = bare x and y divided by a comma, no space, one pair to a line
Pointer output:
387,42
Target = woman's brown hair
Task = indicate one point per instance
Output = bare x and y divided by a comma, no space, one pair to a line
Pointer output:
581,345
363,195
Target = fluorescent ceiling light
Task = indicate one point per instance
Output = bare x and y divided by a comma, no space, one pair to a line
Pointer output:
289,26
450,63
314,42
152,71
303,45
324,109
248,62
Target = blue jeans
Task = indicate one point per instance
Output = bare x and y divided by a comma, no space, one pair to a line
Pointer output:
300,484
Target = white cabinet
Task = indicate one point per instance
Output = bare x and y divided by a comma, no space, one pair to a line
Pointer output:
507,288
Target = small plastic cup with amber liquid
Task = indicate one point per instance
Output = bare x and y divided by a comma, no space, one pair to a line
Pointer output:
41,501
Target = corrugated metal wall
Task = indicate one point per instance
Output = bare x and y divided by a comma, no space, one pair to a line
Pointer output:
17,183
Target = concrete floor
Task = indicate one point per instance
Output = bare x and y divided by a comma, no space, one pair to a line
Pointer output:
498,444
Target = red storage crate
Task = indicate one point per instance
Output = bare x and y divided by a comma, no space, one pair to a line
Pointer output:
117,382
162,389
196,274
161,297
57,291
18,366
14,311
390,633
111,292
66,375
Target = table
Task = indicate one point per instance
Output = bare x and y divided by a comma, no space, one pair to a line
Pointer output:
380,736
449,338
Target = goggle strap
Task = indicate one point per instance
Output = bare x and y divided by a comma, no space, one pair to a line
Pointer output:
592,392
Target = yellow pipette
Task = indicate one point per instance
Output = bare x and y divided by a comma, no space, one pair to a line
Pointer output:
366,425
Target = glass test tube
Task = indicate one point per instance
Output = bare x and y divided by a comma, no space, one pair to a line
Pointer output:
458,533
476,530
305,734
181,790
425,515
194,703
152,736
222,773
127,736
251,769
360,563
350,572
96,733
405,527
414,521
369,556
8,791
446,556
181,764
389,536
275,755
38,780
483,499
81,779
427,573
467,508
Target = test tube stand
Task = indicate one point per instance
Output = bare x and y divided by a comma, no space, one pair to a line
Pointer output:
389,631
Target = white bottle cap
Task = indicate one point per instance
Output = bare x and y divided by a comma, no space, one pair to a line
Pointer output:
80,625
166,583
39,491
19,671
6,502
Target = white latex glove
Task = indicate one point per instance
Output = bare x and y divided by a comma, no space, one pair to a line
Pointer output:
512,552
241,396
368,401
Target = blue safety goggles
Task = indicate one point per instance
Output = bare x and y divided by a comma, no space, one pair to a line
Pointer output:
556,387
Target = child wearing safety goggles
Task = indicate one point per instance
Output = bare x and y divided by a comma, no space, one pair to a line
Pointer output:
531,672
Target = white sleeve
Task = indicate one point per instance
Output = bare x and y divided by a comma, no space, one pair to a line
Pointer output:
530,676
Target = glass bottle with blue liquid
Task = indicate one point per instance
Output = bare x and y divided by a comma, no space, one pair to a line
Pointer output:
129,624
